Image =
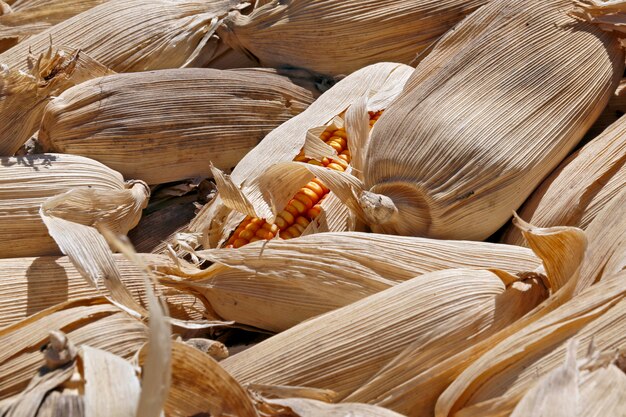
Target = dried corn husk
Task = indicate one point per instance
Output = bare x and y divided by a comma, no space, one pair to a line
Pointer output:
30,17
171,124
241,193
91,321
26,182
30,285
580,187
339,37
123,35
510,368
256,286
474,132
613,111
593,386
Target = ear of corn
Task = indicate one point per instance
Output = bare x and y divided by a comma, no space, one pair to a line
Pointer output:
510,368
334,38
31,17
125,36
26,182
581,186
210,115
242,193
473,132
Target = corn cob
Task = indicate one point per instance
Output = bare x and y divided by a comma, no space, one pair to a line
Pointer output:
580,187
306,204
208,114
440,161
240,195
26,182
254,285
341,36
122,35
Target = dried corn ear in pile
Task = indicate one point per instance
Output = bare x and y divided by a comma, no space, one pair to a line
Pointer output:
580,187
489,113
241,194
341,36
306,204
255,286
167,125
26,182
29,17
122,35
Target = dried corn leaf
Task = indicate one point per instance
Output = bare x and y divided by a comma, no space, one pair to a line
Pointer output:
580,187
123,35
170,123
496,381
301,407
89,321
340,37
473,132
217,219
26,182
277,284
33,16
30,285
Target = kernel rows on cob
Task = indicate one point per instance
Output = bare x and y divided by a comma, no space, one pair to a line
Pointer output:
305,205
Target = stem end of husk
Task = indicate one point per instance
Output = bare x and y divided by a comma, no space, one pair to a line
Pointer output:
377,208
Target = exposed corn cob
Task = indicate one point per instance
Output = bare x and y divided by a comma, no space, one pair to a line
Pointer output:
339,37
30,17
474,132
305,206
254,285
580,187
240,193
26,182
123,35
170,123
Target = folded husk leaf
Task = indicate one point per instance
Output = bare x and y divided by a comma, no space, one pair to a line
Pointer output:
474,132
88,321
495,382
332,37
26,182
277,284
24,93
30,17
171,123
30,285
593,386
125,36
304,407
580,187
240,192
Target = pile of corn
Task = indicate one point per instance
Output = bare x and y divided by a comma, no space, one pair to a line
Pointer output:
312,208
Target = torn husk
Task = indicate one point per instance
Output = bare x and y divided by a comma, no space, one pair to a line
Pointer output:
254,285
332,37
27,181
474,132
249,190
580,187
124,36
210,115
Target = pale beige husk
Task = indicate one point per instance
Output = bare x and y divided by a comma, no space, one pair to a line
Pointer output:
340,37
30,285
495,382
249,191
474,132
171,124
124,36
255,285
29,17
90,321
26,182
592,386
580,187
